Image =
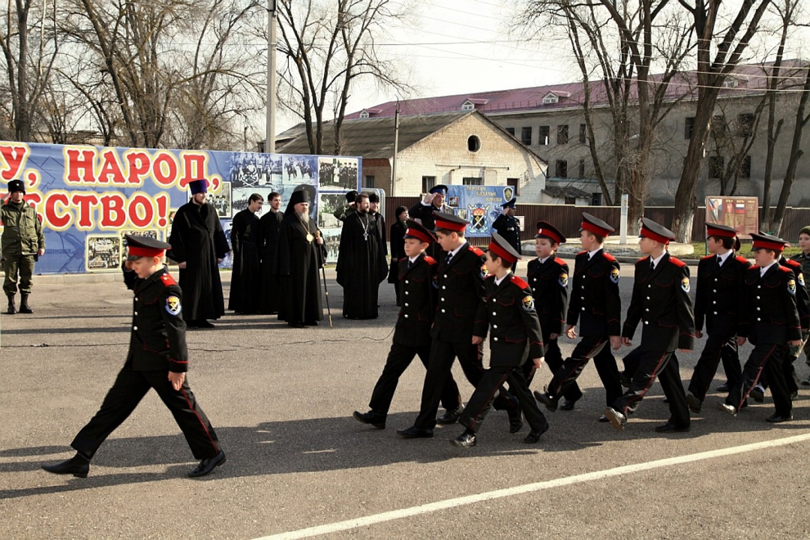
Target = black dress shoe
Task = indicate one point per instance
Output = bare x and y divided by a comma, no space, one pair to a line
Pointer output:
726,408
669,427
616,418
724,387
549,401
78,466
515,419
603,419
372,418
465,440
694,403
778,419
207,465
414,432
450,416
757,394
567,405
534,436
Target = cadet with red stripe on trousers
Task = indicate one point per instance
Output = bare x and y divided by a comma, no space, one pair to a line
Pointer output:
661,303
157,358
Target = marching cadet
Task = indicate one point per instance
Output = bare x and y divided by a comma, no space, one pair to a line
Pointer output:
460,285
508,226
771,324
423,212
718,295
548,277
804,259
516,338
661,302
596,304
157,358
416,273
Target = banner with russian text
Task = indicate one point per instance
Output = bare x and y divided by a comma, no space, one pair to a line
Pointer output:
480,205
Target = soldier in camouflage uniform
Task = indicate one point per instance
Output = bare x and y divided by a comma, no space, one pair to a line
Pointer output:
22,244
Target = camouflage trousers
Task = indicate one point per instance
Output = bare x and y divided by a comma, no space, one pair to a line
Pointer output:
14,265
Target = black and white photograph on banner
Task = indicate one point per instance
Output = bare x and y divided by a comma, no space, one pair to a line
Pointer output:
337,173
331,241
151,233
227,262
299,169
249,169
328,204
221,200
102,252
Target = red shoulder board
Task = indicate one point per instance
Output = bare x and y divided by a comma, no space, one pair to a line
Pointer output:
519,282
559,261
430,260
792,263
785,269
476,251
168,280
708,257
742,259
608,256
677,262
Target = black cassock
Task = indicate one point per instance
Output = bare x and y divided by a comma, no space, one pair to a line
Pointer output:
397,250
269,226
246,278
198,240
361,266
299,260
382,234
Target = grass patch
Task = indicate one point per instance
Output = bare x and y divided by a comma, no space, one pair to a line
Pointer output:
745,251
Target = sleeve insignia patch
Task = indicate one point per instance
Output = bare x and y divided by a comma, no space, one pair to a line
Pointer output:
528,303
614,275
685,285
792,286
800,277
173,306
563,281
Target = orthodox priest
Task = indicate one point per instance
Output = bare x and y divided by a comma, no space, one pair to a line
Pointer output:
246,276
361,264
300,256
269,225
199,245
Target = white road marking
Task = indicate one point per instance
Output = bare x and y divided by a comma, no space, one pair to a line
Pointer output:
528,488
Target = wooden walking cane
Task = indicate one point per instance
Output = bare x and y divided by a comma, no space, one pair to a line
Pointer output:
325,290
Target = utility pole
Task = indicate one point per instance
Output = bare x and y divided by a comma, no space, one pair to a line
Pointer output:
270,137
396,150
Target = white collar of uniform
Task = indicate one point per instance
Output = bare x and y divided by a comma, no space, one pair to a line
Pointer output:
658,259
764,269
544,259
455,251
499,281
413,259
594,252
723,258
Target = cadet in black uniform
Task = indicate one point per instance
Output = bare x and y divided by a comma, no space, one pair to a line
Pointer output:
804,259
596,304
771,324
157,358
718,296
661,302
508,227
417,273
548,277
423,213
516,338
461,288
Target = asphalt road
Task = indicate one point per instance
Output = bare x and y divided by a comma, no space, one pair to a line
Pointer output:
281,401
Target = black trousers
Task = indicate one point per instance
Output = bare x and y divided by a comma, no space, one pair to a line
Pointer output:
652,364
492,380
788,370
717,348
587,348
399,358
765,360
127,391
554,361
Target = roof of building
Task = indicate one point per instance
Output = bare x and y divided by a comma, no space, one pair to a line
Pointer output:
746,79
561,192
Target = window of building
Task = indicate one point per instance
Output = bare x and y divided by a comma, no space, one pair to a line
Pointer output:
427,183
716,166
719,126
526,135
583,134
369,183
581,168
570,200
745,168
473,143
542,139
511,131
472,181
515,183
550,98
596,199
561,168
688,127
746,124
562,134
364,114
467,106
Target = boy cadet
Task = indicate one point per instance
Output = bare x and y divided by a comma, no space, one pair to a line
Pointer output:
720,282
804,259
516,338
460,290
771,323
416,273
508,226
157,358
596,304
661,302
547,275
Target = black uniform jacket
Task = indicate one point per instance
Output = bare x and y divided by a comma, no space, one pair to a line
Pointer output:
418,301
549,283
719,294
424,213
771,316
661,303
509,228
508,309
595,299
802,296
460,287
158,334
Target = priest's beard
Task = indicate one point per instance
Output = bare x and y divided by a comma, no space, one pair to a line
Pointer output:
303,216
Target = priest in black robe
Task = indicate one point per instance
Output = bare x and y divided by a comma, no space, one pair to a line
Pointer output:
246,275
199,245
361,264
382,233
300,257
269,226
